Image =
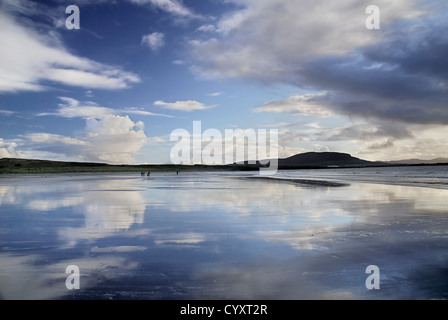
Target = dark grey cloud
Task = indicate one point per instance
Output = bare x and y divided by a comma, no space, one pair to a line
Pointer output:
424,53
399,72
382,145
402,78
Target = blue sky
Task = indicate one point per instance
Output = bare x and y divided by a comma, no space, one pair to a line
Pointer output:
136,70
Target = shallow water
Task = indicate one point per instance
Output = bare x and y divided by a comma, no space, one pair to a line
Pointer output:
220,236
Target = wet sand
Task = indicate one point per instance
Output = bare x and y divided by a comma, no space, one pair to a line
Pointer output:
219,236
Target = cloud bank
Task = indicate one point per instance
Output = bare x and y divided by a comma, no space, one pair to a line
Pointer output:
396,73
375,93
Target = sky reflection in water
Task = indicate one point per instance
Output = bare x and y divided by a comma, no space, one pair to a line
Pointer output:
218,236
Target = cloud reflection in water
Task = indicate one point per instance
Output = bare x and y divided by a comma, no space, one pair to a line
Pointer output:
216,236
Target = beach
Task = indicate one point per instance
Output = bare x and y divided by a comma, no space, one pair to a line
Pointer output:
303,234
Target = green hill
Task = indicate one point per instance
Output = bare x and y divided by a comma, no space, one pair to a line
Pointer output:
13,165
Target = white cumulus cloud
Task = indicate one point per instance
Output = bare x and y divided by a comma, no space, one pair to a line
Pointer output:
8,149
110,135
112,139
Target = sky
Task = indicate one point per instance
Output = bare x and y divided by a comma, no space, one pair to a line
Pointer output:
114,89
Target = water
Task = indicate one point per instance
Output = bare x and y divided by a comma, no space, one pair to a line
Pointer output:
226,235
423,176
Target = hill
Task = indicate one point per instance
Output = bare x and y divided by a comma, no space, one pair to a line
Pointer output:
323,159
13,165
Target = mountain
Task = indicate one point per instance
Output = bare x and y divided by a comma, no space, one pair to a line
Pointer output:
323,159
316,160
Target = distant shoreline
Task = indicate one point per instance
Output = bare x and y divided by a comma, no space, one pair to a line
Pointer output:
32,166
28,166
